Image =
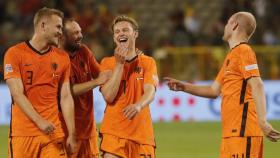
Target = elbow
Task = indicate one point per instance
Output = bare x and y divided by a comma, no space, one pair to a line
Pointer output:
108,97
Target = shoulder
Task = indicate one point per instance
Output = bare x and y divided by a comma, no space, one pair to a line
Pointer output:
108,60
16,49
244,48
147,59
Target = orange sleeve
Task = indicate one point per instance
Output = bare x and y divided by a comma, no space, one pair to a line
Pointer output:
106,64
220,75
94,65
150,73
66,73
11,64
248,64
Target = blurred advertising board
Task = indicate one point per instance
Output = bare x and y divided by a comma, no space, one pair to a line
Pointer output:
168,105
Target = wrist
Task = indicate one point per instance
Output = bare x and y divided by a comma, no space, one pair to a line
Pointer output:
72,134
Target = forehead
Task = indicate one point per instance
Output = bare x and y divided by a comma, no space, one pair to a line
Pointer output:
55,18
72,25
123,24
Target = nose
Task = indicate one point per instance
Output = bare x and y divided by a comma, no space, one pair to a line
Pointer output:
59,32
80,35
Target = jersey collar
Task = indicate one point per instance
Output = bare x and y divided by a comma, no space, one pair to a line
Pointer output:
35,50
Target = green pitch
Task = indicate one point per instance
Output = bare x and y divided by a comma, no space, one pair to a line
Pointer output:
180,140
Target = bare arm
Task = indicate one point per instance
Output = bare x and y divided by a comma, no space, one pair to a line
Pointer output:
67,107
111,87
212,91
148,96
259,98
16,90
81,88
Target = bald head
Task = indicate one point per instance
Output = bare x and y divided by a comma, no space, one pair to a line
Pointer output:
246,22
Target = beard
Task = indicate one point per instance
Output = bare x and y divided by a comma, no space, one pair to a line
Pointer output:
71,47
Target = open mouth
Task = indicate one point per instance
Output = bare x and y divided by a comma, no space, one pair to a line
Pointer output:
78,41
123,39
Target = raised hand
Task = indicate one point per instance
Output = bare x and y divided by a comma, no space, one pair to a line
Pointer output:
120,54
174,84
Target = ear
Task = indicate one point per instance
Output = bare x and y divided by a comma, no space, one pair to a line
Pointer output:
42,25
235,26
136,34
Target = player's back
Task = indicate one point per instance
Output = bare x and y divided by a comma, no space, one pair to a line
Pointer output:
42,74
238,108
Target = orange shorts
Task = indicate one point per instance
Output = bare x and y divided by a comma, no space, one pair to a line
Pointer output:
36,147
86,148
242,147
125,148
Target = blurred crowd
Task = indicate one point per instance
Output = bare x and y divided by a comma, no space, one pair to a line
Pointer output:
95,16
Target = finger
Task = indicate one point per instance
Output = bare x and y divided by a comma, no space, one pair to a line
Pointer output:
167,79
52,127
277,137
131,115
126,111
271,139
274,132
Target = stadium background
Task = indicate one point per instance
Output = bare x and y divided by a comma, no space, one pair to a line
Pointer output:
184,36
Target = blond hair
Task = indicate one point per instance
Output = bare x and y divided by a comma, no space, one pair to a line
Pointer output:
121,18
46,12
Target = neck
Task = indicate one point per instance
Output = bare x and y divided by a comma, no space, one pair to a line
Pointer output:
234,41
39,43
131,54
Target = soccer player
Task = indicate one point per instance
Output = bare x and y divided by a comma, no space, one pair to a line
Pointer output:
243,100
126,128
85,75
37,75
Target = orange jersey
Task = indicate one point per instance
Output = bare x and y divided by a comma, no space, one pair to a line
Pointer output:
137,72
239,116
42,76
84,68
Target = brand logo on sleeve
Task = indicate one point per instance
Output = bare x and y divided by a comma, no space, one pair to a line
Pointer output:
251,67
8,68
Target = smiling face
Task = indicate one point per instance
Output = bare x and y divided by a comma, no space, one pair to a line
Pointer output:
52,29
73,36
124,33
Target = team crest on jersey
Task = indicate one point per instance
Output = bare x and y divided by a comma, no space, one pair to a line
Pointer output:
82,64
138,69
54,66
8,68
